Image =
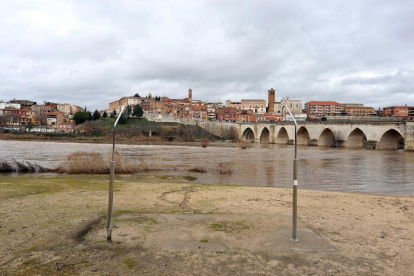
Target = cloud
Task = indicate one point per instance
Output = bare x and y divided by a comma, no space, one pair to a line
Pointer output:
93,52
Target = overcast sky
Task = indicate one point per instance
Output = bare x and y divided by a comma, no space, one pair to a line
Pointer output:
93,52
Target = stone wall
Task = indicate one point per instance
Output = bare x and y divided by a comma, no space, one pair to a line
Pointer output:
409,136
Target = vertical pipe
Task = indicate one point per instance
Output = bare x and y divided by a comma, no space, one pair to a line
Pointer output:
295,182
111,192
111,182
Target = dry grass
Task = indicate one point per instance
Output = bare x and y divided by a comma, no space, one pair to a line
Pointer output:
93,163
244,144
82,162
21,167
224,168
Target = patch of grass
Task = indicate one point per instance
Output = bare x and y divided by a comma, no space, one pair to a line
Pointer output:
189,178
198,169
25,185
130,262
230,226
204,240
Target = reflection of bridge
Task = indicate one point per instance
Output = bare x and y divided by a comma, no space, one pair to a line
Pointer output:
374,135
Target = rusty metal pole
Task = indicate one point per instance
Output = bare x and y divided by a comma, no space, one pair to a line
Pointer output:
295,181
111,183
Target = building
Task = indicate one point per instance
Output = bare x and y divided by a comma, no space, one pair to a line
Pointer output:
13,116
258,106
399,111
23,103
66,127
352,105
65,108
295,105
3,105
357,110
232,114
200,112
271,100
272,117
74,109
317,109
236,105
55,118
226,114
32,117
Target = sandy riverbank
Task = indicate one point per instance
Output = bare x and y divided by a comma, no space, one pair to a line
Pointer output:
54,224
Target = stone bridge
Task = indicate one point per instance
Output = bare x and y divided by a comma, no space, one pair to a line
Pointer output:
372,135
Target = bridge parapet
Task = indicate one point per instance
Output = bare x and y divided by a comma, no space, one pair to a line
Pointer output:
374,135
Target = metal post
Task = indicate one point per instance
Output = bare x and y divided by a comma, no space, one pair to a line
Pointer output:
295,181
111,184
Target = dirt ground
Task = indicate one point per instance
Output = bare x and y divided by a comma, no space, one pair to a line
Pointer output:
55,225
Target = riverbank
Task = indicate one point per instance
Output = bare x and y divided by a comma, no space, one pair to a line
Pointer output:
133,130
55,225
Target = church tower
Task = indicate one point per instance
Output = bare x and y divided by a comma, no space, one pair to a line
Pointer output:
272,100
190,94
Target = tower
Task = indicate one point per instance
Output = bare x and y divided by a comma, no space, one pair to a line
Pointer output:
272,100
190,94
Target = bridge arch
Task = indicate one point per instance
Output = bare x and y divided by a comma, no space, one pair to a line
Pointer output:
248,135
303,136
391,139
265,136
282,136
356,139
327,138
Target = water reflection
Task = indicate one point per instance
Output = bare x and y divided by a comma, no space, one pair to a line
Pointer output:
262,165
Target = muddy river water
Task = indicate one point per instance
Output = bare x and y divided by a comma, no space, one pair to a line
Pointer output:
353,170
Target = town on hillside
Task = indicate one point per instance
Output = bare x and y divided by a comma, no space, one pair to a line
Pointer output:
51,117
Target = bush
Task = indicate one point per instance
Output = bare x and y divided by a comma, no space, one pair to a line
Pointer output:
93,163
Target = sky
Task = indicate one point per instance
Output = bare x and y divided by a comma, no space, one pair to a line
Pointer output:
93,52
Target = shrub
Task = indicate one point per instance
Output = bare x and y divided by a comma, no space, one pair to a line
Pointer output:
225,168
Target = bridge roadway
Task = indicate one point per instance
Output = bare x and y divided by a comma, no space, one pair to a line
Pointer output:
372,135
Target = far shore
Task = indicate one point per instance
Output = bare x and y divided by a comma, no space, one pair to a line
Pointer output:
55,225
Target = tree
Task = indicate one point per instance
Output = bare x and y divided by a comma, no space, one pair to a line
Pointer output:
113,114
105,115
88,116
138,112
122,119
79,117
137,95
129,111
96,115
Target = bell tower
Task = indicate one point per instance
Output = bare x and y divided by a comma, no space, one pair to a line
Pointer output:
190,94
272,100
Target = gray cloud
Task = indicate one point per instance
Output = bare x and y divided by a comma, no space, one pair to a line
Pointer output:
93,52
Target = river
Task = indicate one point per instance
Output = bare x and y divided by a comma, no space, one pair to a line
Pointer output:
329,169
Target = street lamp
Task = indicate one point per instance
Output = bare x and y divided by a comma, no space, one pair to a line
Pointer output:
111,183
295,180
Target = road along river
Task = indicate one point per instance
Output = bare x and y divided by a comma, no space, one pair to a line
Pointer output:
353,170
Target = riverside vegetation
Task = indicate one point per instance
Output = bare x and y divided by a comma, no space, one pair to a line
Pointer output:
132,129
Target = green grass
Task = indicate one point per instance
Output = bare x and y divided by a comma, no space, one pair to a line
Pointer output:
230,226
130,262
